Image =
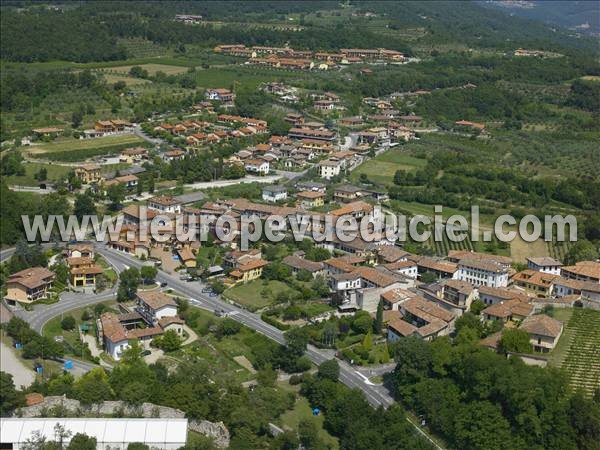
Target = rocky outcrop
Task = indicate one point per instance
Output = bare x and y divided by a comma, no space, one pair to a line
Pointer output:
218,431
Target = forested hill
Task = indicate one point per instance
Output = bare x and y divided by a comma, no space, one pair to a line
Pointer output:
90,32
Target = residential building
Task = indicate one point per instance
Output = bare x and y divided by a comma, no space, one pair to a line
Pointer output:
422,318
133,155
29,285
257,166
155,305
347,193
544,264
307,133
509,310
248,271
88,173
583,271
274,193
165,204
83,273
224,96
310,199
538,284
297,263
482,272
311,186
493,295
544,332
329,168
175,154
457,296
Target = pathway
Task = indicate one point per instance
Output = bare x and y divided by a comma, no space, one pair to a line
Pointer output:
23,376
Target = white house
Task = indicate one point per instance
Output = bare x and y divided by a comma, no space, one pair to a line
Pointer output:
480,272
274,193
258,166
329,168
155,305
165,204
544,264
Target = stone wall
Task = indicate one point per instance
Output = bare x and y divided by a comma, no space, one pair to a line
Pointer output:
218,431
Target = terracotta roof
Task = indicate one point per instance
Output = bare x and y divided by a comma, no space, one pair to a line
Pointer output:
398,265
302,264
397,295
542,325
156,299
590,269
401,327
376,277
509,308
75,261
544,261
541,279
457,255
427,310
32,277
91,270
352,207
252,264
482,264
391,253
165,321
464,287
112,328
340,264
34,398
310,194
164,200
503,293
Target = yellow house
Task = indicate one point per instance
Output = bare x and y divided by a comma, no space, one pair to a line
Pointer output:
310,199
187,257
83,273
249,271
29,285
89,173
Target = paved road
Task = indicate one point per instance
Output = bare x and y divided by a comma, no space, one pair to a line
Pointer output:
376,395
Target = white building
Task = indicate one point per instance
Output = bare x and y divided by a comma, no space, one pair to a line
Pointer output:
259,166
544,264
116,434
165,204
480,272
329,169
274,193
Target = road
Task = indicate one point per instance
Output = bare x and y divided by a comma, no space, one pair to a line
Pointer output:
376,395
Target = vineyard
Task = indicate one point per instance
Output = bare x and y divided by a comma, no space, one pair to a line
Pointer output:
441,248
558,250
581,360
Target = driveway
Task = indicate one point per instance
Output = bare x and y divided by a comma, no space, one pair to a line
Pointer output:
23,375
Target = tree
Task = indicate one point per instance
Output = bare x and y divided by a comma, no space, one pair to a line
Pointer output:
308,433
116,195
137,446
93,387
582,250
515,340
82,442
42,174
84,206
228,327
148,273
10,397
169,341
329,370
477,306
267,377
130,279
76,119
428,277
378,322
362,323
68,323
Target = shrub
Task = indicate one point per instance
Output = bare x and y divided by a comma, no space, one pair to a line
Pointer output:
68,323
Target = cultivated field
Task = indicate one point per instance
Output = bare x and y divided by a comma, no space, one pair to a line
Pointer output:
129,81
150,67
256,294
71,149
578,351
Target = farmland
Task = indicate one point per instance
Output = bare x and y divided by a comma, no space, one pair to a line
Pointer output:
256,294
70,149
578,351
151,68
382,168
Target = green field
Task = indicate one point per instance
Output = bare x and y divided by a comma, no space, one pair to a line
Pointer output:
382,168
71,149
152,68
578,350
31,169
251,295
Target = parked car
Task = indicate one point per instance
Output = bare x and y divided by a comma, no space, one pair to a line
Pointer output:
163,284
206,290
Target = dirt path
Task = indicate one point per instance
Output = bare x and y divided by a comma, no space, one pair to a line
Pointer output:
23,375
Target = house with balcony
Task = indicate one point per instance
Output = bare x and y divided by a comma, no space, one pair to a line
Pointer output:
29,285
544,332
83,273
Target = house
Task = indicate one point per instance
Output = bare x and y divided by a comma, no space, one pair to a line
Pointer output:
351,122
128,181
104,126
392,299
410,121
544,264
296,263
457,295
248,271
295,119
407,268
165,204
324,105
544,332
538,284
316,145
457,255
88,173
80,249
83,273
47,131
274,193
186,256
329,168
588,271
29,285
258,166
310,199
311,186
133,155
441,269
155,305
509,310
422,318
308,133
482,272
174,155
224,96
236,258
493,295
346,193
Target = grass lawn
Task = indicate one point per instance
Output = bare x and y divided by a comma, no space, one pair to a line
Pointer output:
303,411
129,81
382,168
251,295
31,169
72,144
